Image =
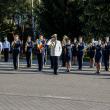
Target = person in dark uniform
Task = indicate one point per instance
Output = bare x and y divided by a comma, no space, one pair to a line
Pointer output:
68,53
80,53
106,53
63,56
6,49
51,61
91,52
98,57
40,52
1,48
45,50
16,44
74,51
28,50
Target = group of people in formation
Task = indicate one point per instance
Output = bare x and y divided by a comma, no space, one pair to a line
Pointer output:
71,53
97,51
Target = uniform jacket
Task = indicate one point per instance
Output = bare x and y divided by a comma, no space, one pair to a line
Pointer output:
30,46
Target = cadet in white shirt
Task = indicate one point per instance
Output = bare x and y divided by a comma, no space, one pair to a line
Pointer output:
55,51
6,49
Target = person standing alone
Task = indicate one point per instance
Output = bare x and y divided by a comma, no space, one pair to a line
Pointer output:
106,53
6,49
55,51
40,44
1,48
98,56
28,50
80,53
68,52
16,44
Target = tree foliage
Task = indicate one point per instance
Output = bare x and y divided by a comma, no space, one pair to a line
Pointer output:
60,16
70,17
75,17
96,17
10,9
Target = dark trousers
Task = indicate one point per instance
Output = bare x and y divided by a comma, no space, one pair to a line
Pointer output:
40,61
28,59
6,54
80,61
63,60
15,59
106,62
55,63
45,59
51,61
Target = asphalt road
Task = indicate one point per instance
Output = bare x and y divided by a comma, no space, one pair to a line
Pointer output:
28,89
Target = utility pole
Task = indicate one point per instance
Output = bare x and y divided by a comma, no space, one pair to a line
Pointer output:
32,17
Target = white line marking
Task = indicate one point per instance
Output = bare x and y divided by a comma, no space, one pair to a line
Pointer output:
58,97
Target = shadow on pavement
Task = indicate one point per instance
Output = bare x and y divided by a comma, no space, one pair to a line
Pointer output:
50,72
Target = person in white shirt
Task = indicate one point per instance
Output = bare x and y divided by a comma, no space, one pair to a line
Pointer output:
6,49
0,49
55,51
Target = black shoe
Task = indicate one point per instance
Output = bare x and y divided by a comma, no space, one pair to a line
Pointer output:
80,69
106,69
28,66
67,71
15,68
91,66
55,73
98,72
40,70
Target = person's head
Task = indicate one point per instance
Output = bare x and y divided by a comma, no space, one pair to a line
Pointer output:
65,37
68,41
5,39
80,39
90,44
29,38
107,39
41,37
16,37
92,40
75,40
54,37
99,42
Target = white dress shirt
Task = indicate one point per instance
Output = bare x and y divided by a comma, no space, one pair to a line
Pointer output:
6,45
57,50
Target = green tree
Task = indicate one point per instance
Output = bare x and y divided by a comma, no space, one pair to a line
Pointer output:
61,16
8,10
96,18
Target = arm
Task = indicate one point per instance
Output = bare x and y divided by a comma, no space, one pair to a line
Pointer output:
60,48
1,47
49,42
9,46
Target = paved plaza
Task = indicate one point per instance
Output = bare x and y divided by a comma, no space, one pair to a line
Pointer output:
27,89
